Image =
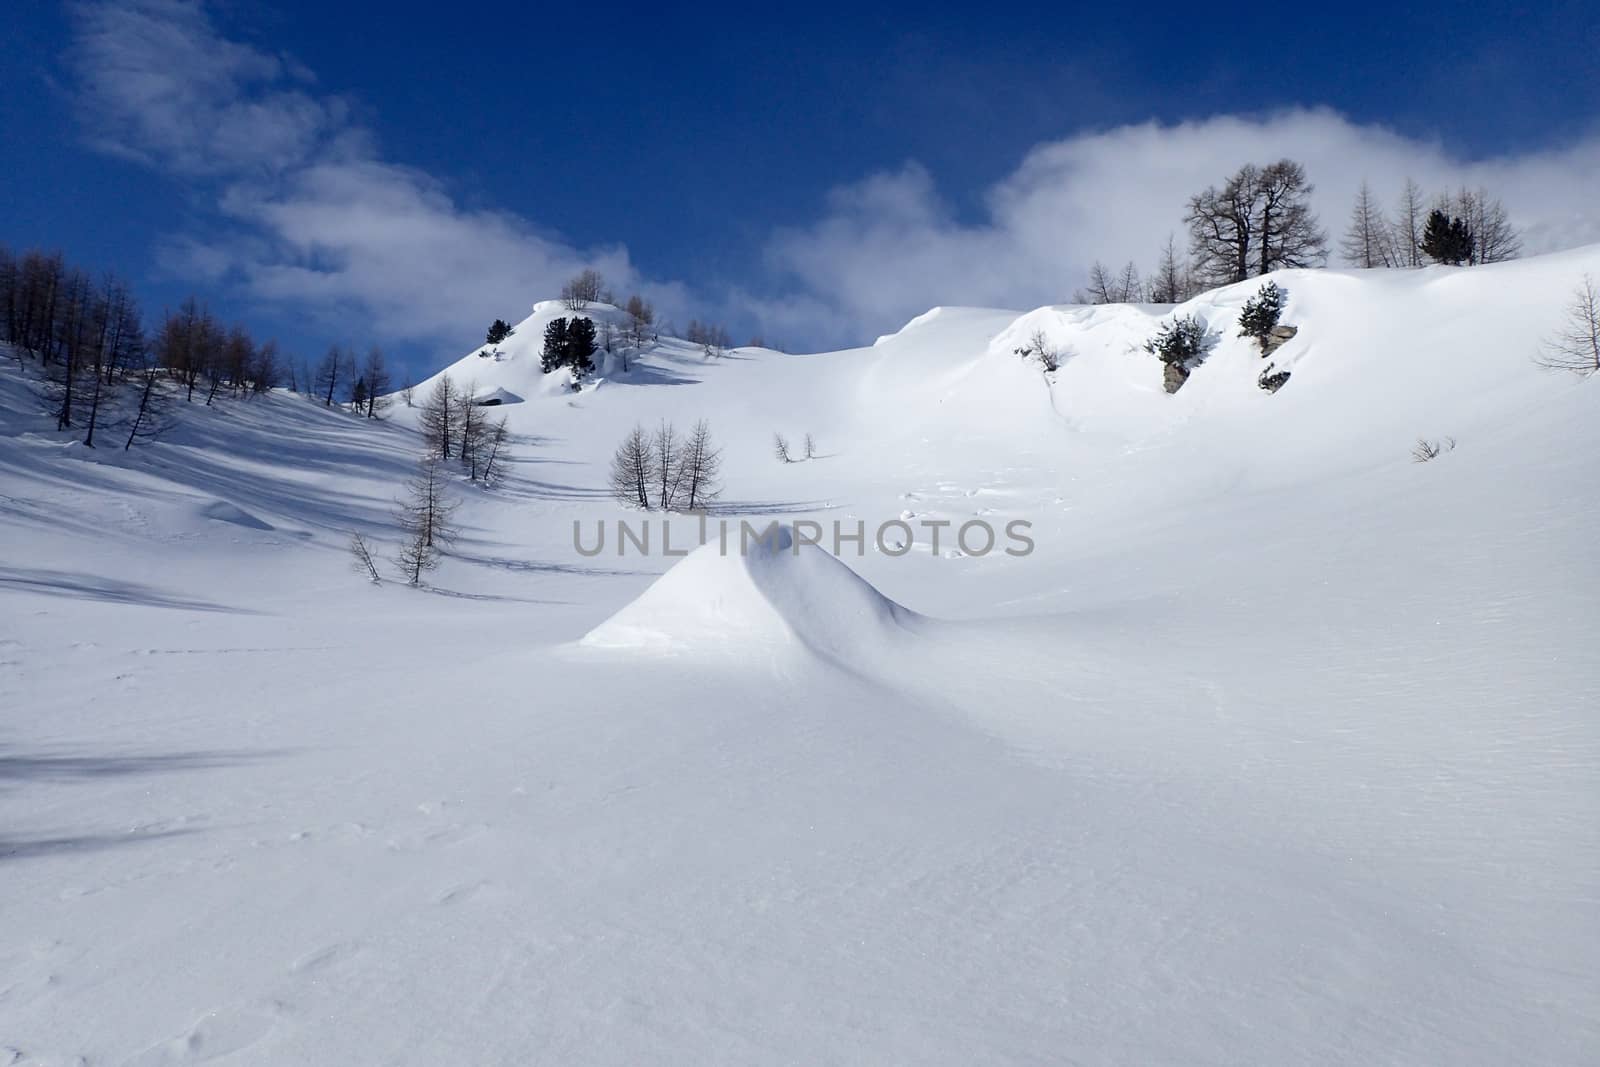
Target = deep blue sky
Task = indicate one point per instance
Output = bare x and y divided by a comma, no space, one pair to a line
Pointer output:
688,136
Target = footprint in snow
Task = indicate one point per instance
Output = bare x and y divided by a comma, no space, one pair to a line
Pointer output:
465,891
219,1033
327,956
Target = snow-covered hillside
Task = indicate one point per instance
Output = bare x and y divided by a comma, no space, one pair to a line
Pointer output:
1279,747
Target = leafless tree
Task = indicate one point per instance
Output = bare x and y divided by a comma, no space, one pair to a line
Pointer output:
810,446
1108,287
151,416
1098,291
1366,241
438,415
1494,241
495,440
375,374
583,289
1406,229
1039,346
471,428
1290,236
334,368
640,324
363,557
235,353
633,469
70,344
408,391
1169,284
119,343
1129,285
700,469
425,519
1259,221
1576,346
713,340
780,448
667,473
267,370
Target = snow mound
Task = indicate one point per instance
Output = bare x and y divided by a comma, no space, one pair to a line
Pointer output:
222,511
780,595
495,397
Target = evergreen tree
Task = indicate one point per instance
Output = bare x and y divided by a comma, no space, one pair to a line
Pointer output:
1179,340
1260,313
580,347
1447,239
555,345
499,331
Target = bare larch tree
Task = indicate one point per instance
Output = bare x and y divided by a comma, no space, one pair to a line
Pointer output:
631,469
1259,221
437,418
425,521
667,473
699,469
1366,241
1576,346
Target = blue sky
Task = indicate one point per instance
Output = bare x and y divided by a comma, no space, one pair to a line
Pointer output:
356,172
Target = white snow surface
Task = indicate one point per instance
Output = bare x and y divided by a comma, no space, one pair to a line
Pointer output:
767,592
1279,748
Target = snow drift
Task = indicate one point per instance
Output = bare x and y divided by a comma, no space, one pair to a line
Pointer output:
779,595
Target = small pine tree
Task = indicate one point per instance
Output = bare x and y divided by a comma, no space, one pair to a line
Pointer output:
1179,340
1447,239
581,348
1261,312
499,331
555,345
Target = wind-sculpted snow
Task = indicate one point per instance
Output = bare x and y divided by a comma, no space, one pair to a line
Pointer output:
777,595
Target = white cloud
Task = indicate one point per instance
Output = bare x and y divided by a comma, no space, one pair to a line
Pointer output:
887,248
312,216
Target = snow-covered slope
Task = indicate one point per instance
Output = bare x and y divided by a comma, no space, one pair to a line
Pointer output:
1279,747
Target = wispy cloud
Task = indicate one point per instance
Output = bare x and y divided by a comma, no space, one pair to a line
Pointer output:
308,212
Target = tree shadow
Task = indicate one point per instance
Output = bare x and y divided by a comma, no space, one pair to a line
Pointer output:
22,848
651,374
19,768
457,594
529,566
80,586
16,767
734,508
